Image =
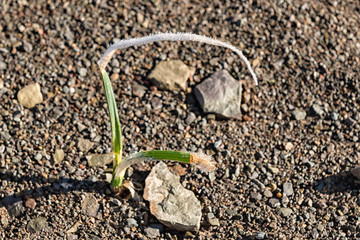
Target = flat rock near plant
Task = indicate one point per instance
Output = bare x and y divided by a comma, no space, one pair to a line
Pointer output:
36,224
220,94
171,203
30,95
171,75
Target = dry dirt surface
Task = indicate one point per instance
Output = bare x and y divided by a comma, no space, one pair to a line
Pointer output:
286,170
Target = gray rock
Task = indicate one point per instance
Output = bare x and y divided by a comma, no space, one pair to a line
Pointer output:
171,203
274,202
30,95
82,72
285,212
171,75
220,94
84,145
152,232
255,196
288,189
58,155
99,160
3,65
131,222
190,118
36,224
298,115
356,172
317,110
260,235
90,206
138,90
156,103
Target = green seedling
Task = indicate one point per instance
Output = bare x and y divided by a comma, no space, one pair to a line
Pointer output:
120,164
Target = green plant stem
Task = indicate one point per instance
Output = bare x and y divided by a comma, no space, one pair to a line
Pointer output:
115,129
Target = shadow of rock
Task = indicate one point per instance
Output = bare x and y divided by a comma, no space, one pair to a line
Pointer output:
341,182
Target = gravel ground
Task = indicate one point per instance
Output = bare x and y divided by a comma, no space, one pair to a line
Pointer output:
283,171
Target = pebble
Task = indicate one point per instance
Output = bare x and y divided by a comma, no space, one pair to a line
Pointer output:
285,212
139,90
30,203
190,118
260,235
131,222
221,94
288,189
84,145
298,115
30,95
274,202
4,218
171,75
36,225
99,160
317,110
83,72
90,206
58,155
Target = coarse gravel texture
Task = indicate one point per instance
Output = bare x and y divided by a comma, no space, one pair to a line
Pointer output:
304,52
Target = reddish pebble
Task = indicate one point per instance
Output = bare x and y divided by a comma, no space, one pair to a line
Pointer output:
30,203
82,166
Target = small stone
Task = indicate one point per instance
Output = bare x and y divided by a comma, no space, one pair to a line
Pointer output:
36,224
289,146
82,72
217,144
285,212
1,84
171,75
154,230
298,115
131,222
214,222
117,202
273,170
30,203
260,235
171,203
84,145
3,65
288,189
274,202
4,218
90,206
93,237
220,94
156,103
356,172
30,95
58,155
100,160
268,193
190,118
314,233
255,196
317,110
138,90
